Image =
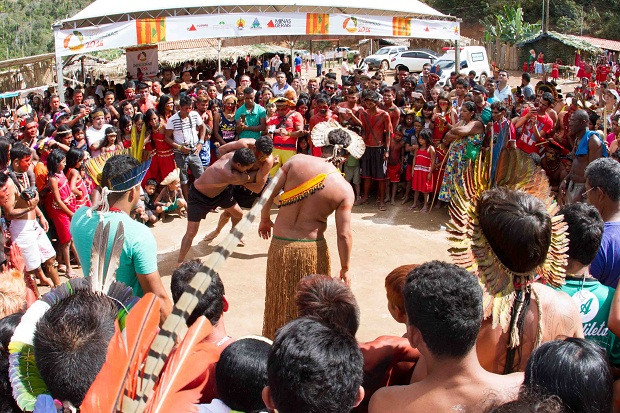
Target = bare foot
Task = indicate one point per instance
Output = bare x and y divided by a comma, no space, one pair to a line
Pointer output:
211,236
405,200
46,281
361,201
414,206
71,275
424,209
392,202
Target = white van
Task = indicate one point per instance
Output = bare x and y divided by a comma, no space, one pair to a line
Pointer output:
472,58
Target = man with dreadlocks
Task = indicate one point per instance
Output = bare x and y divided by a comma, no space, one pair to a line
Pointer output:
520,312
313,190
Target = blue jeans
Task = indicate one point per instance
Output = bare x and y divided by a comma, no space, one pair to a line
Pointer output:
319,70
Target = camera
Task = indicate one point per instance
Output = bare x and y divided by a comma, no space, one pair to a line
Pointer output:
29,193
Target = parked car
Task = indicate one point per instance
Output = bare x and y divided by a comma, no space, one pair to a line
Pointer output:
344,51
472,58
303,53
413,59
382,58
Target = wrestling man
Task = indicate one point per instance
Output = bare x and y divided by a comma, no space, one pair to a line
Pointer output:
313,190
245,195
214,188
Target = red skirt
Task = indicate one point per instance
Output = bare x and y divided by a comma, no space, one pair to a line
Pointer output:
420,182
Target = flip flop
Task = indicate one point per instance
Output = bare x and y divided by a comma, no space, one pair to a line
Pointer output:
72,275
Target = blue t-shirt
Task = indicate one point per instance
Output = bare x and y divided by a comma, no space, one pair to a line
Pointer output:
606,264
139,254
297,61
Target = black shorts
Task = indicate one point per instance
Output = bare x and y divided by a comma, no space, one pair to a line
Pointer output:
372,163
244,197
199,205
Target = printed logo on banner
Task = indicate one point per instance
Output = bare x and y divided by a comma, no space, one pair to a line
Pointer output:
401,26
197,27
240,24
279,23
74,41
151,30
141,57
350,24
317,23
191,28
255,24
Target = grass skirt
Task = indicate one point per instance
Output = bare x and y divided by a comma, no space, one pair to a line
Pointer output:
288,261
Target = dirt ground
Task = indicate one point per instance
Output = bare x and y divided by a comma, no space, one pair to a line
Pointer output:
381,242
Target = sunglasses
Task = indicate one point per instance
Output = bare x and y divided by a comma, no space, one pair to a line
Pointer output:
330,87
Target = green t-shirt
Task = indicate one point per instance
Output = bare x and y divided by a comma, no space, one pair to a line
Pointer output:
252,118
139,254
594,302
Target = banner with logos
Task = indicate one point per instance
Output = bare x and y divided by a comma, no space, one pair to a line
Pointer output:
152,31
142,58
85,40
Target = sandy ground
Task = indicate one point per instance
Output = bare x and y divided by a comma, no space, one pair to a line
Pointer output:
381,242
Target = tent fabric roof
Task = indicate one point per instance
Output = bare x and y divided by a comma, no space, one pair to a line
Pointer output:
567,39
110,11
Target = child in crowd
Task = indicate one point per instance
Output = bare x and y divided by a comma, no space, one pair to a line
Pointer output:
59,205
75,174
427,114
409,129
241,376
394,283
79,138
303,146
170,198
110,141
148,197
270,108
395,164
424,163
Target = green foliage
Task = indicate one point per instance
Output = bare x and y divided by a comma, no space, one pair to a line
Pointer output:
598,18
26,25
508,26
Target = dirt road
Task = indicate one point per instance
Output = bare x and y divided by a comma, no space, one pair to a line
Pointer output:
381,242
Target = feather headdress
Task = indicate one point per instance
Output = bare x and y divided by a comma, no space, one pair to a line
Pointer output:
471,250
94,166
23,373
144,372
320,138
171,177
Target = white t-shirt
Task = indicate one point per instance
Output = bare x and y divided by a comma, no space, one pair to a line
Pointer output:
503,94
231,82
184,130
279,91
94,136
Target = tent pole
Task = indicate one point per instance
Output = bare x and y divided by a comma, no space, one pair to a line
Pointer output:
219,58
457,57
59,77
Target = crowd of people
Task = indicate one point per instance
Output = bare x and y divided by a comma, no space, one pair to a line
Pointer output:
522,321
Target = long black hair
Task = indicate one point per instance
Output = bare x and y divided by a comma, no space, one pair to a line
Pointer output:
74,155
54,159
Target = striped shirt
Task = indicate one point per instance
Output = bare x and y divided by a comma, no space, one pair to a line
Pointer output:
184,130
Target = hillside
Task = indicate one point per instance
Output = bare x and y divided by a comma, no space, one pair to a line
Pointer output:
26,25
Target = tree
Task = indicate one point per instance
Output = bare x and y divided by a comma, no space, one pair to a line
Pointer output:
508,27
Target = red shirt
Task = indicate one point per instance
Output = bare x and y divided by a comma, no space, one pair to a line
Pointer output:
291,122
527,139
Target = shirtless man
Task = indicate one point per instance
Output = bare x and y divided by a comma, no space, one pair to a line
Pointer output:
214,188
245,195
22,210
314,189
444,312
587,148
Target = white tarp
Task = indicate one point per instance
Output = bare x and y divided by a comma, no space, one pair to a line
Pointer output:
143,58
150,31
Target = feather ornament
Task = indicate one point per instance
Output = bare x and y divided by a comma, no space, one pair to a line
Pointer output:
185,374
94,166
174,325
126,352
469,247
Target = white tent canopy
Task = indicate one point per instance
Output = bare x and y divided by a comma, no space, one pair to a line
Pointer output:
108,24
113,11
